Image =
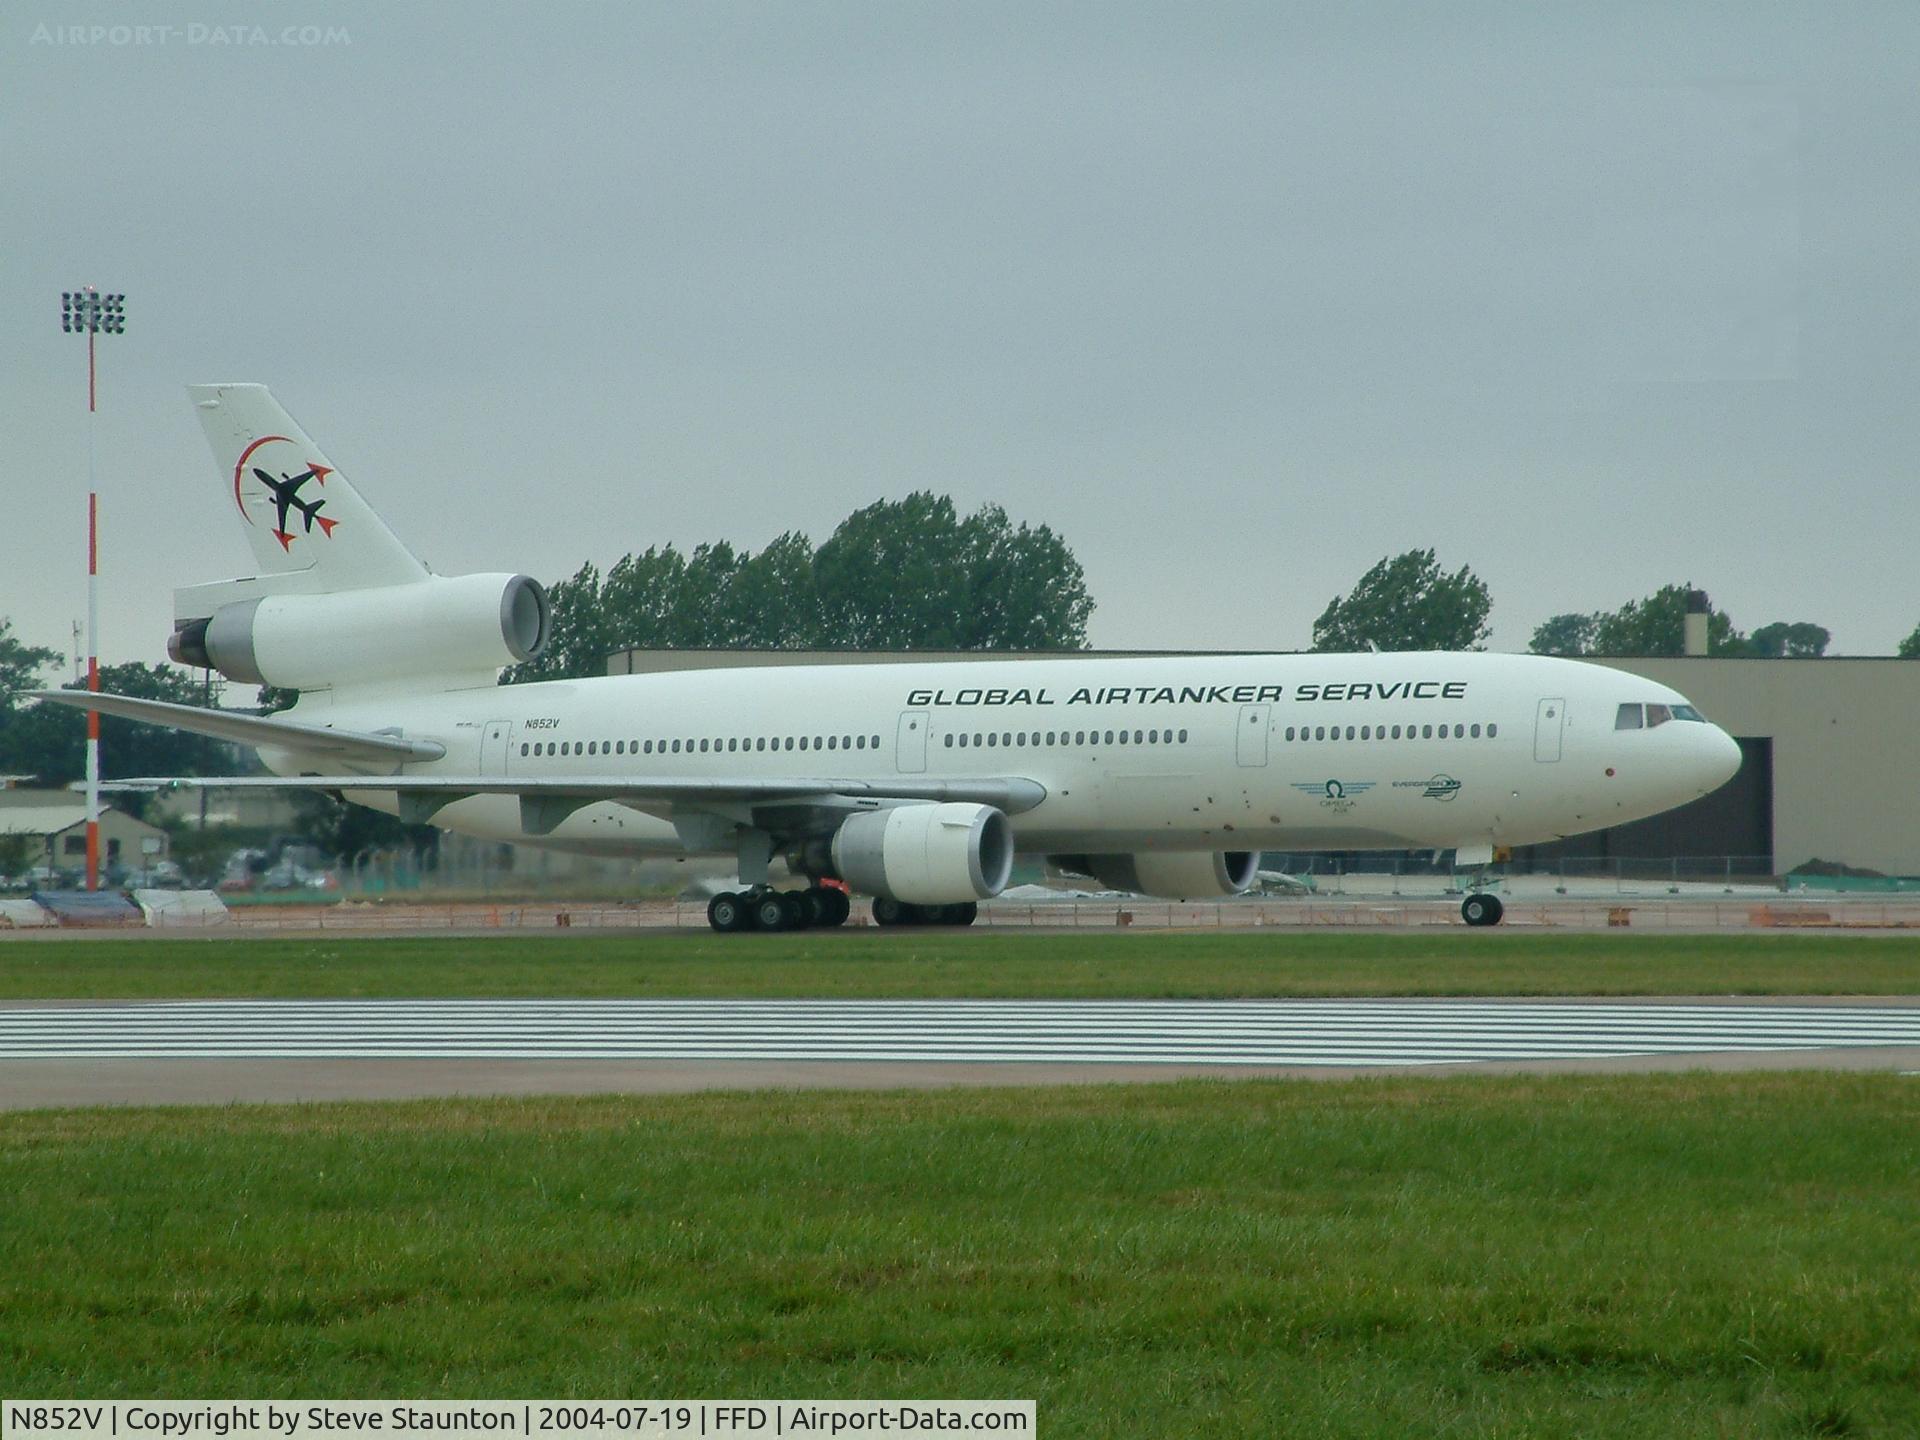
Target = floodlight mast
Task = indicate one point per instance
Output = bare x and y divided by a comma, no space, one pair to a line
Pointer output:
87,311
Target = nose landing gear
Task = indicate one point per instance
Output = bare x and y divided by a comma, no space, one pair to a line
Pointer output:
1482,910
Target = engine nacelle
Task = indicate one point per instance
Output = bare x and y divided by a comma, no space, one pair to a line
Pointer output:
444,625
1170,874
926,854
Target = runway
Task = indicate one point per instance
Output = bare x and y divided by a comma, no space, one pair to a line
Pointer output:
255,1049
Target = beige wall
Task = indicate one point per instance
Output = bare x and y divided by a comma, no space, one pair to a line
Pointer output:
114,827
1846,749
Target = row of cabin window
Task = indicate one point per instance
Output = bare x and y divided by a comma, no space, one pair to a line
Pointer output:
1022,738
1379,732
688,747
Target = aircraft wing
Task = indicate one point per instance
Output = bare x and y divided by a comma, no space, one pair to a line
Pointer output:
354,747
545,802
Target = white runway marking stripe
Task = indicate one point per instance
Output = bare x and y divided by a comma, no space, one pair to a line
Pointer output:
1186,1032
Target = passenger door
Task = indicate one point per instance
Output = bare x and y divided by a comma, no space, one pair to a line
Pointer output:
910,743
1250,744
493,747
1548,722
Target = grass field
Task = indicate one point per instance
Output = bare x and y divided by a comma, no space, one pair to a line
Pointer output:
875,964
1538,1256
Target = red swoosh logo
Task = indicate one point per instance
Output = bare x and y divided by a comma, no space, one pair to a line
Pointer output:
241,464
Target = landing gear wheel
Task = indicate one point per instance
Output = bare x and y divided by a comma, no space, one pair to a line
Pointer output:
814,906
891,912
769,911
837,906
727,912
799,914
1482,910
962,914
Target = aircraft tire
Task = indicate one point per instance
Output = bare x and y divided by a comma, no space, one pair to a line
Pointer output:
1482,910
769,911
727,912
814,906
839,907
890,912
963,914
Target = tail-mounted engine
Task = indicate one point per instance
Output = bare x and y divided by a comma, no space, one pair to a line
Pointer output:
437,627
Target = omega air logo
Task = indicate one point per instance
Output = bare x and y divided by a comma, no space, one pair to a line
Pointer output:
1336,795
1438,787
1195,694
282,472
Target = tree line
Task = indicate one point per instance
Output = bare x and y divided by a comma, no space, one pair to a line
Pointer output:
1408,602
910,574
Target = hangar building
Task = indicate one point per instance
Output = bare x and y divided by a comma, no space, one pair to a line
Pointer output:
1832,755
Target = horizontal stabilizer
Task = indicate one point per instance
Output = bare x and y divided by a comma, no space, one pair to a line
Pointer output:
352,746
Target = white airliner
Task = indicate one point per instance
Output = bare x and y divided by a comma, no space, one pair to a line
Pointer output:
915,784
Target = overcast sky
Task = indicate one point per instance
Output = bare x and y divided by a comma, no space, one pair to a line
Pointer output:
1238,298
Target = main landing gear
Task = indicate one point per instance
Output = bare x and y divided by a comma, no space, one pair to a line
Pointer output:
1482,909
898,912
764,909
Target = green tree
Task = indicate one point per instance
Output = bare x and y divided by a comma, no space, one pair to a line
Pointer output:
24,732
21,665
912,575
1800,640
774,602
1570,634
343,831
1028,591
1657,626
1910,647
1407,602
16,853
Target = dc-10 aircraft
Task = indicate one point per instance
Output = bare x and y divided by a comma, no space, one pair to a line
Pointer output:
915,784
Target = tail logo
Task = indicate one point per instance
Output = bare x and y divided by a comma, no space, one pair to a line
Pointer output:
281,476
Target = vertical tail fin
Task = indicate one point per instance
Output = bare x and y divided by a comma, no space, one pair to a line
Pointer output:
300,514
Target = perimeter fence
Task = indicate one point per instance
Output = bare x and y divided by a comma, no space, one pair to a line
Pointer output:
1304,913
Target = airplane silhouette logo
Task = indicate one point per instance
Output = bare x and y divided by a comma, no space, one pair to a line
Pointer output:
286,496
285,490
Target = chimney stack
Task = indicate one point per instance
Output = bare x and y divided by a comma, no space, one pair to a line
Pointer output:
1694,639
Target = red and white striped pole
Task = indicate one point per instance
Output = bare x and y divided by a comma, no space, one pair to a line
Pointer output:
87,310
93,634
93,679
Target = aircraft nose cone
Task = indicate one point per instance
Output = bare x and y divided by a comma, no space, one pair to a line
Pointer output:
1719,759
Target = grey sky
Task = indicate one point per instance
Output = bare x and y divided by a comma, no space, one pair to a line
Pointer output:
1238,298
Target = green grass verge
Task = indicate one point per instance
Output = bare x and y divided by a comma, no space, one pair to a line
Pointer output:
1534,1256
875,964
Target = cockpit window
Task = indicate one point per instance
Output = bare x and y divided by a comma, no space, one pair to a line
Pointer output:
1645,717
